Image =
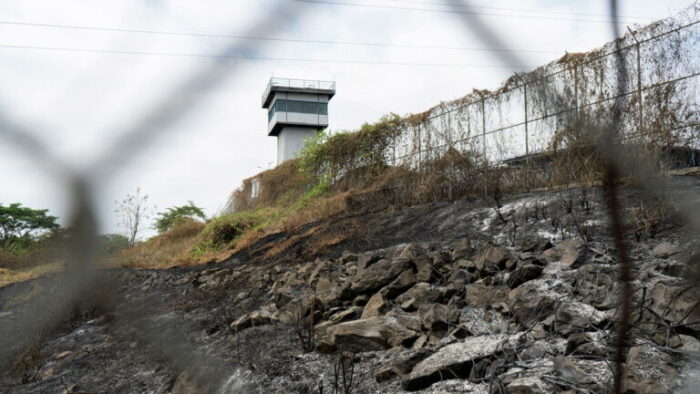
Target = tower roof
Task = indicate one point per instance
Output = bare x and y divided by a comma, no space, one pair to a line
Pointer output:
296,85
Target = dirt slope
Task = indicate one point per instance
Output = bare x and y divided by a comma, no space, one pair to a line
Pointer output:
444,297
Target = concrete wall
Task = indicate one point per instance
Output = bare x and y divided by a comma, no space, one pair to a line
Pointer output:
291,140
321,98
320,121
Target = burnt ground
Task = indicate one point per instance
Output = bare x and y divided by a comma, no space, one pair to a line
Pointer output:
161,331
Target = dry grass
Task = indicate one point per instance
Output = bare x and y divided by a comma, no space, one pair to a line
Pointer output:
170,249
8,276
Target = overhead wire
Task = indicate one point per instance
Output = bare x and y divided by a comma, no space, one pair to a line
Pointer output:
248,57
258,38
457,11
516,9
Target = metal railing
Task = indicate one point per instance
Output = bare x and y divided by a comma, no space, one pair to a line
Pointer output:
291,83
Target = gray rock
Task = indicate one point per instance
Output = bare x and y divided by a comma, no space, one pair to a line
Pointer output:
401,366
491,259
453,361
424,266
377,333
577,316
399,285
261,317
376,306
462,250
374,276
523,274
675,301
588,344
649,370
477,321
533,301
480,295
421,292
665,249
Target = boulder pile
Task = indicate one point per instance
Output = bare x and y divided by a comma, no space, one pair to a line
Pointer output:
538,318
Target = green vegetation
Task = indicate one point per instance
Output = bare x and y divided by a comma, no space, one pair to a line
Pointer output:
328,157
19,226
176,215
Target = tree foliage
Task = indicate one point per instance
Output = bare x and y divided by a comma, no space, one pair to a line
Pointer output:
175,215
329,156
18,224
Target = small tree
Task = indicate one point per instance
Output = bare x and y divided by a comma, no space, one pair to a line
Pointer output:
176,215
133,210
18,224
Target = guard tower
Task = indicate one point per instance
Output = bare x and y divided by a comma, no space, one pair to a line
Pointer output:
297,110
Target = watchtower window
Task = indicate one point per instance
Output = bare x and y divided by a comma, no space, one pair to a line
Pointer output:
303,107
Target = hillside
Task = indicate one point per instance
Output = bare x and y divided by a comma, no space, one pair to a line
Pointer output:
458,296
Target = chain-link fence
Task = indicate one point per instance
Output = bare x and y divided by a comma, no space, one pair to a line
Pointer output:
523,117
644,86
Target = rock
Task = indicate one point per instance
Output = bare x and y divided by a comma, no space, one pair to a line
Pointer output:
588,375
461,277
377,275
367,259
196,380
528,385
377,333
69,389
536,350
376,306
420,342
479,295
436,318
684,343
345,315
477,321
361,300
577,316
401,366
421,292
399,285
672,268
575,256
260,317
424,266
61,355
597,285
570,372
464,264
526,377
523,274
319,266
409,305
535,245
648,370
453,361
675,302
411,321
533,301
665,250
327,291
462,250
491,259
588,344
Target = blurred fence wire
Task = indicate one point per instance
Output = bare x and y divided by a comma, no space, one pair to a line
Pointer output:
639,89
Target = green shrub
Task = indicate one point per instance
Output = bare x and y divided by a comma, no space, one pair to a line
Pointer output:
177,215
224,230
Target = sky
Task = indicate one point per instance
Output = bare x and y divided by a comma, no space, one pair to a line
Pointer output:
78,89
